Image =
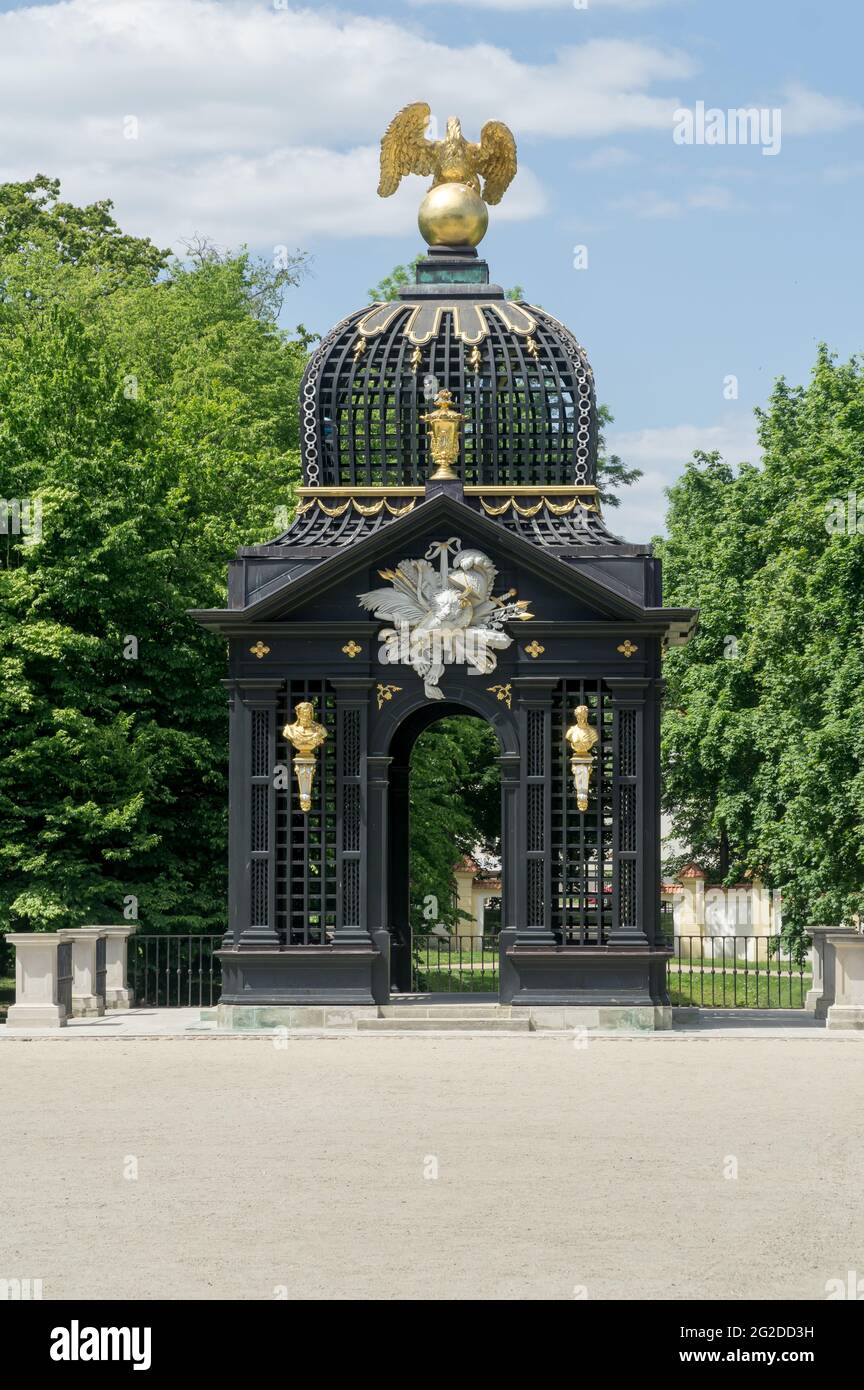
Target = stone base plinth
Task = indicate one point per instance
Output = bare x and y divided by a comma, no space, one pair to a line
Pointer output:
344,976
244,1018
845,1016
87,1006
423,1017
601,977
119,999
36,1016
647,1018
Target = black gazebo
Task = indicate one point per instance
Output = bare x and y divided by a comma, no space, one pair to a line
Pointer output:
319,896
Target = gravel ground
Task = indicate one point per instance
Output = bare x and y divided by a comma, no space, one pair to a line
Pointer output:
306,1170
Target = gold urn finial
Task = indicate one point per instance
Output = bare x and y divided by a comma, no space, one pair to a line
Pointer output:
454,212
445,436
306,737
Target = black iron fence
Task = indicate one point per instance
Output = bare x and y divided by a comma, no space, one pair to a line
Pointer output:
707,972
175,971
64,976
454,964
736,972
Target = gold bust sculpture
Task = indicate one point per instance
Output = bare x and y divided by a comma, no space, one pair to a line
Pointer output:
581,737
306,737
444,435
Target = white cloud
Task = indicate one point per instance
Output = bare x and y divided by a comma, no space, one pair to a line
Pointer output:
662,453
806,112
262,123
527,6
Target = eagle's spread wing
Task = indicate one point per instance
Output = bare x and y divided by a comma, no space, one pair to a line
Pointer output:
390,603
495,159
405,149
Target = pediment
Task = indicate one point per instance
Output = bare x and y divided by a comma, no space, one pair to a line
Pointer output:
557,591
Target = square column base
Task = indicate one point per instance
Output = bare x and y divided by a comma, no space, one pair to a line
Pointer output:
36,1016
87,1006
593,977
841,1016
119,999
299,975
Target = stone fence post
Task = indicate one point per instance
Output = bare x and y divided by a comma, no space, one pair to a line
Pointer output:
847,1011
820,996
118,995
87,1002
36,1000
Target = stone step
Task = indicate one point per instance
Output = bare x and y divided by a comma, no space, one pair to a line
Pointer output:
445,1010
409,1022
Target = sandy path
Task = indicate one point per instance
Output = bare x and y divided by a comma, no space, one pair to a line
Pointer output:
302,1167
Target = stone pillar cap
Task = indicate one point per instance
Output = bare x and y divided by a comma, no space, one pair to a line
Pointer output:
35,935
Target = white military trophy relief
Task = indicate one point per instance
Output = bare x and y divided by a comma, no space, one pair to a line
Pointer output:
446,616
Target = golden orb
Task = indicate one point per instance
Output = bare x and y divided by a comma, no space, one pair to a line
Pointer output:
452,214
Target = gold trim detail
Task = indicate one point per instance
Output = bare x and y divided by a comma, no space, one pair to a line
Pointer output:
351,649
259,650
386,692
627,648
372,509
470,325
502,692
534,649
556,508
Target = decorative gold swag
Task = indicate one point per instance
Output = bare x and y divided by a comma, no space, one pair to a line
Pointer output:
490,508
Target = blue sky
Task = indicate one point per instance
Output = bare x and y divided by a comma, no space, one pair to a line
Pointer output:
259,122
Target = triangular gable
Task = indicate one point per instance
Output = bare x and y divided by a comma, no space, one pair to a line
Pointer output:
395,540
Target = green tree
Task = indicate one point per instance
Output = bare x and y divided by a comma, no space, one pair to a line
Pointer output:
764,730
147,427
455,808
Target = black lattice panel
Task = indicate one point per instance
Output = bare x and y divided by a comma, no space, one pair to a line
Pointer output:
260,828
535,828
306,876
529,405
349,792
627,818
582,841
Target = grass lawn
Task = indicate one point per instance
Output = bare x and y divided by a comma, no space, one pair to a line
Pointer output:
742,991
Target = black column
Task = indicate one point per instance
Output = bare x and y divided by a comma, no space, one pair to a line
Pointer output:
252,834
376,770
352,713
534,876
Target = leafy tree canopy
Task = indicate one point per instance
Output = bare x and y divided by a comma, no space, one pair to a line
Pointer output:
147,427
455,808
764,731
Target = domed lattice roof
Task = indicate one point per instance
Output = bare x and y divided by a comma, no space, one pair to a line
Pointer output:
517,374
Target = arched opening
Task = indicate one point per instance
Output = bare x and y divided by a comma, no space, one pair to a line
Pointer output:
444,861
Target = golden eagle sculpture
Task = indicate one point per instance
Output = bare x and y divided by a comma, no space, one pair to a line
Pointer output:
453,212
